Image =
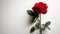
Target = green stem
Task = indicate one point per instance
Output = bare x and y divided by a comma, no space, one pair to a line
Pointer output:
40,25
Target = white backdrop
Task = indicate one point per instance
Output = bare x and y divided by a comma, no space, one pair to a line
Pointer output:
15,20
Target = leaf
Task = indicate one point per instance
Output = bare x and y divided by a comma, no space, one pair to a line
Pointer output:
43,27
30,12
37,25
48,28
35,17
47,24
32,30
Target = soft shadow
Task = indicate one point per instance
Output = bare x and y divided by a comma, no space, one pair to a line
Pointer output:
44,32
30,20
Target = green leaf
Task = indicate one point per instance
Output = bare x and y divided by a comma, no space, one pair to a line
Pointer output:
32,30
37,25
35,17
47,24
43,26
48,28
30,12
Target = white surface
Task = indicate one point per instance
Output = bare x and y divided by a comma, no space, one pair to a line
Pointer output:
15,20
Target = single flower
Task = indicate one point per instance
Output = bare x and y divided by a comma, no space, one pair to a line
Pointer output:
40,8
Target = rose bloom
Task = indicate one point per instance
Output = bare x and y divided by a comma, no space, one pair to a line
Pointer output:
40,8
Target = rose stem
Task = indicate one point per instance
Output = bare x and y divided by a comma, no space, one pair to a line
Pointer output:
40,25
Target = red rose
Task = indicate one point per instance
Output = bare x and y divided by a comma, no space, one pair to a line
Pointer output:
40,8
